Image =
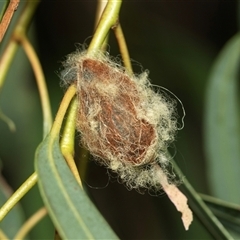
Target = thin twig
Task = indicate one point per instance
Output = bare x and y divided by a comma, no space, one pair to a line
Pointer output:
3,236
12,7
8,121
67,140
123,47
6,60
41,83
30,223
15,198
62,110
108,19
21,28
100,9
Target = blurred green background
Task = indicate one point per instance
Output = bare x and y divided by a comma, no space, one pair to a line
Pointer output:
177,41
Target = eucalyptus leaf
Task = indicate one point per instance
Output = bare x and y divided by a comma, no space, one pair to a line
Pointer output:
222,123
227,213
200,209
70,209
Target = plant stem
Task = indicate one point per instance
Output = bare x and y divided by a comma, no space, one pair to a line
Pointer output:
211,223
100,8
3,236
21,28
16,196
108,19
12,6
101,5
6,60
67,140
8,121
62,110
26,16
40,79
30,223
123,47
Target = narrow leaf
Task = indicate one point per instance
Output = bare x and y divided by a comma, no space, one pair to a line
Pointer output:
227,213
200,209
222,123
70,209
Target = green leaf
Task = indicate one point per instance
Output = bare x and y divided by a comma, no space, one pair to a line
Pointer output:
70,209
222,123
227,213
15,218
200,209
